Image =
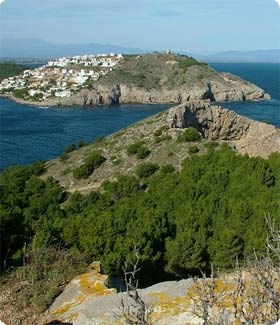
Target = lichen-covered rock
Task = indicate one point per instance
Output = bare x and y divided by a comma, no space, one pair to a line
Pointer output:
68,305
172,302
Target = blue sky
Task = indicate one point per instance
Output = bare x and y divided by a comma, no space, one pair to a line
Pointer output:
188,25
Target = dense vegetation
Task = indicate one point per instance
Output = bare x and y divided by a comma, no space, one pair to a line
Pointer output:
10,69
211,211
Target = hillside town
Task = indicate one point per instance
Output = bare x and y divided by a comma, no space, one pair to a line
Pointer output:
61,77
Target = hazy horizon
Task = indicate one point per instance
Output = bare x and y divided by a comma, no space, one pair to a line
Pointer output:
175,50
182,25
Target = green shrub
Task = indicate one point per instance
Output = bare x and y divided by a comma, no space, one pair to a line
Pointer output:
21,93
193,149
36,97
167,169
170,154
139,150
143,152
190,134
83,171
124,186
163,138
211,145
146,169
158,133
93,161
133,148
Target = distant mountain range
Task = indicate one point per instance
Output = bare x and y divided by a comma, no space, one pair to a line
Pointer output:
35,48
22,49
243,56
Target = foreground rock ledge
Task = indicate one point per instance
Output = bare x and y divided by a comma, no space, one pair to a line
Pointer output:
87,301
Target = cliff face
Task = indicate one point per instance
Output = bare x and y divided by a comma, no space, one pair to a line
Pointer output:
220,87
217,123
223,87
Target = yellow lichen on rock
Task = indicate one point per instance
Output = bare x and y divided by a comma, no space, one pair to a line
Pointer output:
89,285
93,283
165,305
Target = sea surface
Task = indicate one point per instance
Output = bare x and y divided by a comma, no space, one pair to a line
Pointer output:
267,77
30,133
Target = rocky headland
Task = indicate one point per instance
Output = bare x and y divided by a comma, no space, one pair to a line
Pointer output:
157,78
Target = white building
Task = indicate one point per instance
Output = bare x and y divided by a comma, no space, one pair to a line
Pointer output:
64,93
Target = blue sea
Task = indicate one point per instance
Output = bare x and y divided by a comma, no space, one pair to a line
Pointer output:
29,133
266,76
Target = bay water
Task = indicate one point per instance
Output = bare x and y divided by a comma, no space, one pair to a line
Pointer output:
31,133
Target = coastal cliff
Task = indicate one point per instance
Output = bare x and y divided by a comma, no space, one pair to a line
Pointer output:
222,87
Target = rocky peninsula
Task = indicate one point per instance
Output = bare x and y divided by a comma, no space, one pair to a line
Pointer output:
151,78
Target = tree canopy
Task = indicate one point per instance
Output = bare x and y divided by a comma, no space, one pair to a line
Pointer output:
211,211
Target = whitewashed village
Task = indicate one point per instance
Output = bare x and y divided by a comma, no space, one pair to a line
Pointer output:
61,77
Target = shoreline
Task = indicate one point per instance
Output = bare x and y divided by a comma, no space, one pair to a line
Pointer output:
55,104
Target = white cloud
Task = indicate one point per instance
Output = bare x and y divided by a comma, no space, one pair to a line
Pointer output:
278,2
1,1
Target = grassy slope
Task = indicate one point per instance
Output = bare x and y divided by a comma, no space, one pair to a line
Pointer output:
159,71
118,161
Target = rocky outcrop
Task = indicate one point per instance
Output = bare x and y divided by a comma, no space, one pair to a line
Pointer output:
216,123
